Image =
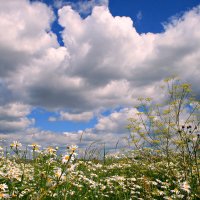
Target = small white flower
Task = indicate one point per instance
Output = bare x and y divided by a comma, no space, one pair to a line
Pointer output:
50,150
176,191
3,187
58,172
185,186
66,158
73,148
35,146
15,144
4,195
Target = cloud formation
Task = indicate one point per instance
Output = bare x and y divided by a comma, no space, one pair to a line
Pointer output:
13,118
83,7
104,63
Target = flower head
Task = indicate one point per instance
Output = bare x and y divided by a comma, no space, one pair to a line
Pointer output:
51,150
73,148
15,144
65,158
185,186
35,146
3,187
5,196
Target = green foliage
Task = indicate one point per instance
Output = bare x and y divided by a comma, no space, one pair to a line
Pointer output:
171,130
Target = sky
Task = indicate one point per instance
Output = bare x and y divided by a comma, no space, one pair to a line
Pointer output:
74,69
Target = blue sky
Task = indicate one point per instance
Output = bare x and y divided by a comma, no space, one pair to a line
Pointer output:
148,16
153,12
41,117
73,66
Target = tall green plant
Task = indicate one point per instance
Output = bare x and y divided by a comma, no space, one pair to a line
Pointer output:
170,130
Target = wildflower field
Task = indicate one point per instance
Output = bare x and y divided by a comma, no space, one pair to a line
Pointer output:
162,161
122,176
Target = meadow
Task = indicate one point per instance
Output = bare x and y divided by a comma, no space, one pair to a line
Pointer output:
162,162
128,175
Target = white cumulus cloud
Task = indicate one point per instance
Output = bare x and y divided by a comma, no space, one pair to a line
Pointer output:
104,63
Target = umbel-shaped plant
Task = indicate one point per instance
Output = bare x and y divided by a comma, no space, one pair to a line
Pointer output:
170,131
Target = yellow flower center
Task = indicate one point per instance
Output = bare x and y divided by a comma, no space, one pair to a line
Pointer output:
66,157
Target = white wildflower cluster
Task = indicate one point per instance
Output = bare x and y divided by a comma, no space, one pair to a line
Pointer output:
48,175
